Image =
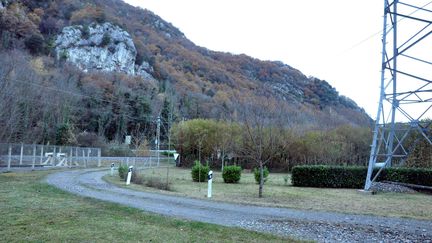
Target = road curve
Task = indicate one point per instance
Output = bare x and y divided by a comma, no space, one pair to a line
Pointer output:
312,225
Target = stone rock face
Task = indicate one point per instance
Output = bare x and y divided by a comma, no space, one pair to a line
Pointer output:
144,70
4,3
104,47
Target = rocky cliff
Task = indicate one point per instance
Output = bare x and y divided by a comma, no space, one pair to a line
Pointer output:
104,47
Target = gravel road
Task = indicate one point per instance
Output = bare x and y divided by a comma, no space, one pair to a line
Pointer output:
309,225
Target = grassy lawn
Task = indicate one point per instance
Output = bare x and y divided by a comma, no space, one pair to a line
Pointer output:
279,194
32,211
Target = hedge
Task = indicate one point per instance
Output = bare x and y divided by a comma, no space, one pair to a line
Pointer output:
354,177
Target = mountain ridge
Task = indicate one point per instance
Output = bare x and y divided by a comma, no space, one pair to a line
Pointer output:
196,81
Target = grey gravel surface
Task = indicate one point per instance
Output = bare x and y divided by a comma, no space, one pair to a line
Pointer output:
386,187
301,224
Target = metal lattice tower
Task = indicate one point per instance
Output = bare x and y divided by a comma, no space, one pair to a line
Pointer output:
405,102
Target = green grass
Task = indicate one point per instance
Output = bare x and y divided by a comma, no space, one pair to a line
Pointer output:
278,194
32,211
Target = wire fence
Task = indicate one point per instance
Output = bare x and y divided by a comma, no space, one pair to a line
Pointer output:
153,158
52,156
35,155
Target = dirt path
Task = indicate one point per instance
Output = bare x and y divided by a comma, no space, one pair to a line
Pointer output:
320,226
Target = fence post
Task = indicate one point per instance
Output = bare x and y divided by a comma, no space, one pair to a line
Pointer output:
84,160
21,153
41,155
88,155
99,158
76,155
34,156
70,157
10,157
54,156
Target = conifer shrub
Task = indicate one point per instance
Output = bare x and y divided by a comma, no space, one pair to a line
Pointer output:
231,174
257,174
123,170
199,172
106,39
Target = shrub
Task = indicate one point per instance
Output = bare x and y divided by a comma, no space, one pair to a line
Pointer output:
137,178
123,170
106,39
354,177
156,182
35,43
199,172
257,174
85,32
87,15
231,174
285,178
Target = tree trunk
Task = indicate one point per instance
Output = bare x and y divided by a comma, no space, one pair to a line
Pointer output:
223,155
261,182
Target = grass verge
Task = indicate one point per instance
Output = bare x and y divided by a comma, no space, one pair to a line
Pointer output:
277,193
33,211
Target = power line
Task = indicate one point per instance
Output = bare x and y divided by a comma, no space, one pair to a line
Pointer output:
388,25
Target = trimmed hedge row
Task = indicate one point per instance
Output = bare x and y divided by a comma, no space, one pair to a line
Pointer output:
354,177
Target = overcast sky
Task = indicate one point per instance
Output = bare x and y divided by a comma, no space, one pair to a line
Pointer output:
337,40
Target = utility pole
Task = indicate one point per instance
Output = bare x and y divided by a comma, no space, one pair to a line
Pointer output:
158,139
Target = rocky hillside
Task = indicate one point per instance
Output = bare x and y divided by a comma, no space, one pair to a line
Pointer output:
133,65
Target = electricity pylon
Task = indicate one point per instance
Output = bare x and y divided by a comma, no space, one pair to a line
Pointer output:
406,90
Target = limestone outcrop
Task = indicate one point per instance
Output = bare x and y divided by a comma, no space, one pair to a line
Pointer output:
104,47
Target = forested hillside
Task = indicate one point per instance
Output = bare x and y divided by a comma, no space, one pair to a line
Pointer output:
45,97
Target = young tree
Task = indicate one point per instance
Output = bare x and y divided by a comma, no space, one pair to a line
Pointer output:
260,134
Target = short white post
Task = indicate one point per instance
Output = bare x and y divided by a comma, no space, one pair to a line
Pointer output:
99,157
21,153
210,180
112,169
9,157
34,156
129,175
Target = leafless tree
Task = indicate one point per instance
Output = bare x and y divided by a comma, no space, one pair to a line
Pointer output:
261,136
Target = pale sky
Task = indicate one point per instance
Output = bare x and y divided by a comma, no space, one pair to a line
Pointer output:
336,40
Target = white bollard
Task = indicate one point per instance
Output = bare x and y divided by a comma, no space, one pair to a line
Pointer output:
210,180
129,175
112,169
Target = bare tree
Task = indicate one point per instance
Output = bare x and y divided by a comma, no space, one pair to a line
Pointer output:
261,136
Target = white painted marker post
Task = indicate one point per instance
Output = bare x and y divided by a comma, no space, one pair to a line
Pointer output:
129,175
210,180
112,169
